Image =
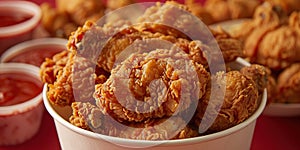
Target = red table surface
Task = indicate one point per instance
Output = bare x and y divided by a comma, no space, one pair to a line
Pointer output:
274,133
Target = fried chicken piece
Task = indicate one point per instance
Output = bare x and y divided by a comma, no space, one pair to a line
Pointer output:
146,35
271,41
80,11
258,74
70,78
184,21
266,19
289,85
263,79
264,14
157,84
126,38
77,36
90,117
177,16
107,52
198,10
279,48
217,112
55,23
213,11
65,17
222,10
230,46
80,112
50,67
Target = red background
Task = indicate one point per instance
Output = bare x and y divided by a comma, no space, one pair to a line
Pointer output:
274,133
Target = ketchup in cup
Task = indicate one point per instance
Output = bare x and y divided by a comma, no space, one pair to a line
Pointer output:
35,51
21,106
17,87
9,19
19,19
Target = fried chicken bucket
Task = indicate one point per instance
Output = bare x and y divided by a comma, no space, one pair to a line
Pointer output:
163,81
238,137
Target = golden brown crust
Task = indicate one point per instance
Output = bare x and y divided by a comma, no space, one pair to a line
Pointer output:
64,18
134,89
240,101
213,11
136,75
263,79
270,40
70,78
270,37
289,85
51,67
258,74
199,10
78,118
54,23
90,117
279,48
230,46
77,36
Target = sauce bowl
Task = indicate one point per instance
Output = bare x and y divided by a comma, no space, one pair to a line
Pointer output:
21,105
18,21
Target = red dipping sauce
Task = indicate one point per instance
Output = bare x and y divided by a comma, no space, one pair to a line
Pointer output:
9,18
17,88
18,21
21,105
35,51
36,55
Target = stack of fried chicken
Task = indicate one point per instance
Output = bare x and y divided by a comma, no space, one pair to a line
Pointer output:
271,38
152,81
214,11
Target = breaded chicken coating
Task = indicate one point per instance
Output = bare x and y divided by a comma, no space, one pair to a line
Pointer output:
239,102
289,84
152,85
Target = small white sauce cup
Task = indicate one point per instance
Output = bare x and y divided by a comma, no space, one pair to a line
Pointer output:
11,35
20,122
